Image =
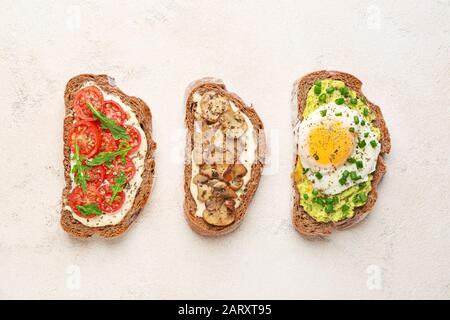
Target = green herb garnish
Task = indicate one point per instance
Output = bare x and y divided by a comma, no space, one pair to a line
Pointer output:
362,144
118,132
373,143
338,114
323,97
318,175
356,119
79,169
330,90
120,181
305,196
339,101
329,208
90,209
365,112
351,129
359,164
108,157
353,100
317,89
323,113
344,91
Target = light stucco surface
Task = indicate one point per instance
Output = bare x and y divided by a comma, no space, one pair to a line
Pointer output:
399,49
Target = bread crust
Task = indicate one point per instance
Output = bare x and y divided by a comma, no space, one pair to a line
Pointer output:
302,221
144,116
198,224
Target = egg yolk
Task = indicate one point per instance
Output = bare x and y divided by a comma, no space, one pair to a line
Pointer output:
330,144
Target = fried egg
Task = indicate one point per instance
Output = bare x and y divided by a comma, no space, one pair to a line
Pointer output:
337,148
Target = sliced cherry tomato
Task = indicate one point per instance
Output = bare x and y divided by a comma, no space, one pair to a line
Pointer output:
135,138
113,111
87,136
106,194
80,198
118,166
109,144
94,96
96,175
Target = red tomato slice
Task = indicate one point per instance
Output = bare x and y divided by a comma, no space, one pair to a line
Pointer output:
94,96
79,198
109,144
96,175
105,205
88,138
113,111
135,138
118,166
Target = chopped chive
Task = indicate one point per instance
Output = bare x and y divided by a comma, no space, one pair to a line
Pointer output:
320,201
305,170
318,175
362,185
342,181
362,144
323,97
356,119
373,143
330,90
363,100
339,101
329,201
317,89
305,196
351,160
345,174
315,192
353,100
363,197
359,164
338,114
344,91
366,112
354,176
345,208
329,208
366,135
351,129
318,83
335,199
363,122
323,113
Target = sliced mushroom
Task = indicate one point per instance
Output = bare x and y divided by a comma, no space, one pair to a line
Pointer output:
236,183
214,171
204,192
237,170
230,204
233,123
199,178
222,190
213,105
220,217
214,203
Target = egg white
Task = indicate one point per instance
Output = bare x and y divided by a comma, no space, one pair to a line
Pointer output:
329,183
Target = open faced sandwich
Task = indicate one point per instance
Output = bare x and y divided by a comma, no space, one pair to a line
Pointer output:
224,157
108,157
341,138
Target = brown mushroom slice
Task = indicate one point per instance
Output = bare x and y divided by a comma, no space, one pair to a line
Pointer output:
213,105
204,192
222,190
214,171
237,170
236,184
199,178
221,217
214,203
233,123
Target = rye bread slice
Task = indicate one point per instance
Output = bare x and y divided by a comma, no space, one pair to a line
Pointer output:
144,116
198,224
303,222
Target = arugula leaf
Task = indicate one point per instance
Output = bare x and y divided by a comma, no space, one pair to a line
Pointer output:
118,132
120,180
89,209
108,157
79,169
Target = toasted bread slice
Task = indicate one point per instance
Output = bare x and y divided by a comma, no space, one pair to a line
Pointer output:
144,117
197,223
303,222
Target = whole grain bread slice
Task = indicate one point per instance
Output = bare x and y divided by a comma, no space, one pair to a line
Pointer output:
198,224
144,116
302,221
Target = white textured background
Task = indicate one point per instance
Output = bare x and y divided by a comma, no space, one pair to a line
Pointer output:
399,49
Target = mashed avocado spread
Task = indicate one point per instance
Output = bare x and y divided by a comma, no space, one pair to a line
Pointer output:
340,206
